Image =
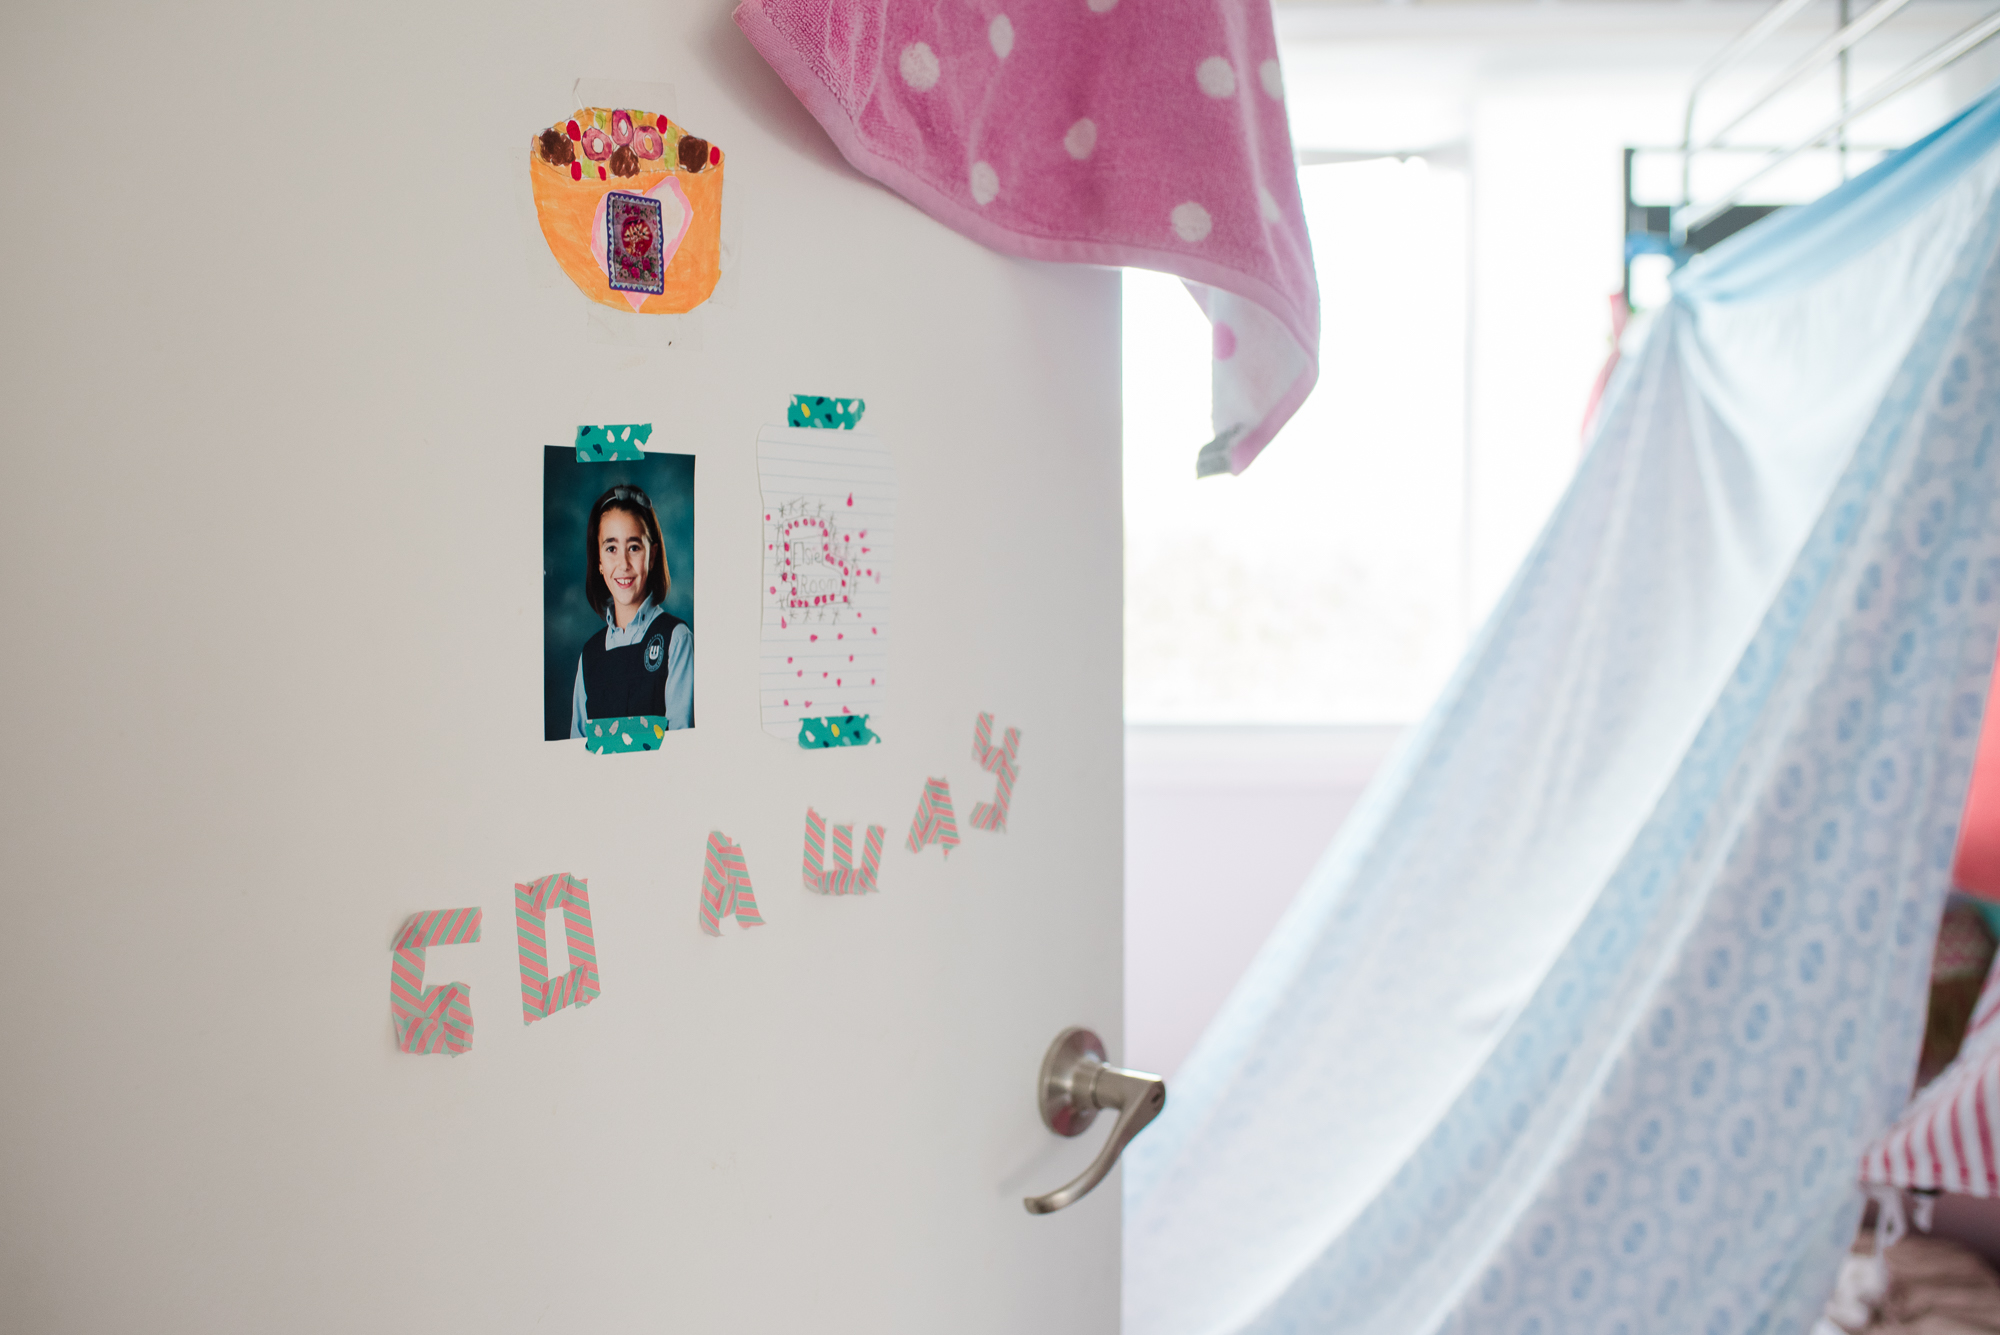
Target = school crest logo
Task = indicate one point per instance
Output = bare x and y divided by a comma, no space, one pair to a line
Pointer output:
656,651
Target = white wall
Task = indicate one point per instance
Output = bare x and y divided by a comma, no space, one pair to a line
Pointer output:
1222,826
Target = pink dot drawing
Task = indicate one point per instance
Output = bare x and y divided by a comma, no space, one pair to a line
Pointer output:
1225,342
814,572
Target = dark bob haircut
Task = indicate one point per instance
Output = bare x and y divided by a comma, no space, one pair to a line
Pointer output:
659,580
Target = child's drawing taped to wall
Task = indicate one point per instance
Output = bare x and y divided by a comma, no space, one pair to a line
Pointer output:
631,206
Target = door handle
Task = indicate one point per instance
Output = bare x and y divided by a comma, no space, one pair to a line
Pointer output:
1076,1082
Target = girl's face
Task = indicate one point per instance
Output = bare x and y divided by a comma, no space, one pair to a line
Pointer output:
624,559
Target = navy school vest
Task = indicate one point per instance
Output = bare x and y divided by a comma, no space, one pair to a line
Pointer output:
631,679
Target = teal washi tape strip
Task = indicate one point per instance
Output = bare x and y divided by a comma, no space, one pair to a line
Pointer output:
818,410
836,730
602,444
641,732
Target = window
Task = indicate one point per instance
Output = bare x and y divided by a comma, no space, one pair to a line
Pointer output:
1328,584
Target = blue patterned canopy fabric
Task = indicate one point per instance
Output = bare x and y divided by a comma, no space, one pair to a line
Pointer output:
1583,1022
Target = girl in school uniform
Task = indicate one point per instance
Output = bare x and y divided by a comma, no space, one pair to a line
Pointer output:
643,661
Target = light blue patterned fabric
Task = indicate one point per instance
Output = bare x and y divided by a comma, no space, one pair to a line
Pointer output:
1583,1022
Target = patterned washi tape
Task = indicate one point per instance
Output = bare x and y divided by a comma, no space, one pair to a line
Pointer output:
725,886
843,878
541,995
999,760
640,732
431,1019
606,444
819,411
836,730
936,822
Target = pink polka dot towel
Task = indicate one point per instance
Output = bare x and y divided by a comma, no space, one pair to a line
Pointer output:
1144,134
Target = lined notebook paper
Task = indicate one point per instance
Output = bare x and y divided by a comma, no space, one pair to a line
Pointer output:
829,538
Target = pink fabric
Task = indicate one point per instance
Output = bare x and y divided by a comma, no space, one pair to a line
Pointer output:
1976,869
1949,1137
1148,133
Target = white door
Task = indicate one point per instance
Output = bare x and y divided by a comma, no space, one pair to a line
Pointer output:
283,354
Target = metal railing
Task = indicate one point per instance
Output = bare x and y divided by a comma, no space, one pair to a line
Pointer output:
1688,215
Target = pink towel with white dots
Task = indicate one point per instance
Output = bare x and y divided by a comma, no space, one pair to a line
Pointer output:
1148,133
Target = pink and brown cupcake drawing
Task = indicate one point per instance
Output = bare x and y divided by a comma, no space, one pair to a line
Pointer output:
631,206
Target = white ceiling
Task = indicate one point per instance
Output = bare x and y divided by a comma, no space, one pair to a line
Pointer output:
1368,76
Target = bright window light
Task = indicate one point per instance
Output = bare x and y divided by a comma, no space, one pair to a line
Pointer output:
1328,583
1651,276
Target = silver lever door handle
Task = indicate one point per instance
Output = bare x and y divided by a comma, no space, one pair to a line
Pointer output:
1075,1083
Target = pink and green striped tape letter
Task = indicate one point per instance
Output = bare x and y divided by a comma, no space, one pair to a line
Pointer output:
431,1019
725,887
1000,761
541,995
936,822
843,878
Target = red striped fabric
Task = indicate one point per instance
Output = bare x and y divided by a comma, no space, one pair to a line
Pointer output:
1945,1140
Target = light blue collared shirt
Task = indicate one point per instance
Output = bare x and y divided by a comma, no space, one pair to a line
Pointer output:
680,668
